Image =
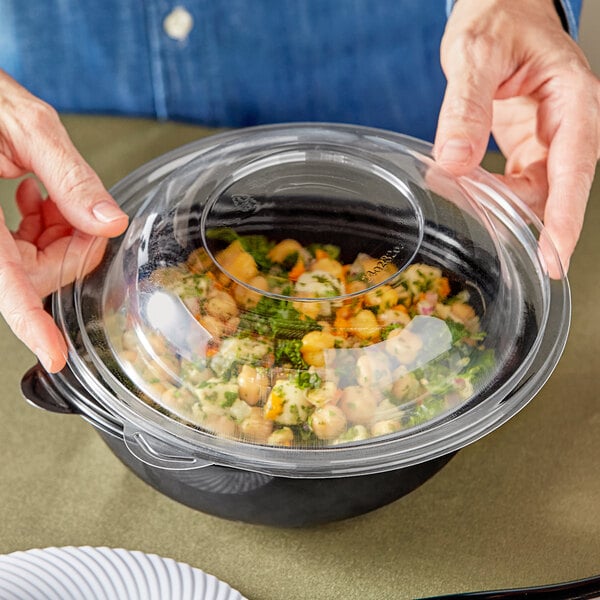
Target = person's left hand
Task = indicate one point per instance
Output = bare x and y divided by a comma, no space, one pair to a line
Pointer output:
39,246
42,238
514,71
32,260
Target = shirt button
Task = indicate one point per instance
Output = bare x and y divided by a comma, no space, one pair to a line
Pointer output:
178,24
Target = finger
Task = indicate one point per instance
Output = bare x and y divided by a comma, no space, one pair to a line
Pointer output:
29,197
530,185
572,157
29,202
67,252
51,213
46,149
23,311
52,234
465,120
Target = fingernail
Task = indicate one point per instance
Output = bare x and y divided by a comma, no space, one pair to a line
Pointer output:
106,212
456,151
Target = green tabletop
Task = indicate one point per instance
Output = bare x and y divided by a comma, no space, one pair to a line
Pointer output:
519,507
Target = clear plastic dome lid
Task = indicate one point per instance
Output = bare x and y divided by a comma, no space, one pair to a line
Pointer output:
312,286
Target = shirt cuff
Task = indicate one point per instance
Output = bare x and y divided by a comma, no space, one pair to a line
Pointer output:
571,11
568,10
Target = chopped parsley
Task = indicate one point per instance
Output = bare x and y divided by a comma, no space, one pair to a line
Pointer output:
230,398
278,319
308,380
289,351
460,332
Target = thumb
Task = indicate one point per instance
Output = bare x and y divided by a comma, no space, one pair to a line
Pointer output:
72,184
465,119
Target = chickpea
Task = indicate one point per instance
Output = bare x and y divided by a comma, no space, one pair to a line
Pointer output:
462,312
372,370
393,316
180,399
386,411
253,384
155,389
364,325
255,427
194,374
406,388
192,303
358,404
199,261
283,249
328,422
355,286
385,427
220,424
404,345
353,434
310,309
237,262
158,343
215,327
163,363
129,355
130,340
198,414
383,297
329,265
221,305
231,325
203,410
313,346
249,298
281,437
442,310
326,394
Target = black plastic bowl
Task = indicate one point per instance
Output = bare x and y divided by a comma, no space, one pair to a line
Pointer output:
227,492
523,311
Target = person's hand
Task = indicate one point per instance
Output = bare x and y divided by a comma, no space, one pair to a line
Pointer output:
33,140
512,69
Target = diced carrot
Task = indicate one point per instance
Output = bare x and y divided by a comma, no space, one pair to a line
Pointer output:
443,287
297,270
343,312
341,324
319,254
276,406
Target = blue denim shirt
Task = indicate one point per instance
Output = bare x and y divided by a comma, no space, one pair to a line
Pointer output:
243,62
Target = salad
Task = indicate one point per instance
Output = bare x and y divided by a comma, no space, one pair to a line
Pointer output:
287,344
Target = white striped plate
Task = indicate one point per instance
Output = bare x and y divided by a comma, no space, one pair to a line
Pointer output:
86,573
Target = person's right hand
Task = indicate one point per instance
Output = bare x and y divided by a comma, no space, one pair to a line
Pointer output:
33,140
514,71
